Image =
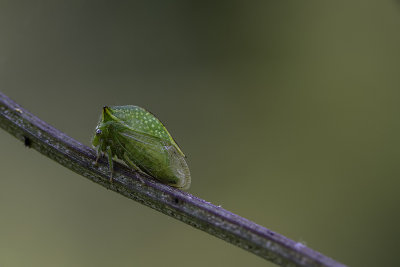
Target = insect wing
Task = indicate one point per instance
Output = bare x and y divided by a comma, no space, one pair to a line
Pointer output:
153,143
176,161
143,122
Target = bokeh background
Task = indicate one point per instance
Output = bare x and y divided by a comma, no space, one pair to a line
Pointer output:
288,112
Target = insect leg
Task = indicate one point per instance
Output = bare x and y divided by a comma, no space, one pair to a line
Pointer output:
98,154
130,163
110,163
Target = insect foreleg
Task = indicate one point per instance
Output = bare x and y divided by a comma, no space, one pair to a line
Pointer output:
98,154
110,163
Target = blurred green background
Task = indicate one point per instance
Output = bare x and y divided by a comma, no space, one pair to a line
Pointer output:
288,112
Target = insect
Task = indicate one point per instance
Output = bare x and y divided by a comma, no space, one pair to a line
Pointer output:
138,138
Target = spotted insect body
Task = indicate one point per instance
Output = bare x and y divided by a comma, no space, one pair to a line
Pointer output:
138,138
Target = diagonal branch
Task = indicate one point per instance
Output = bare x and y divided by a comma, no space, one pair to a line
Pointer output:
178,204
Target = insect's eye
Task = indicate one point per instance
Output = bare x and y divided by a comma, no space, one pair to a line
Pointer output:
98,132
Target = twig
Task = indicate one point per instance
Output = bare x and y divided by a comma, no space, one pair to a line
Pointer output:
180,205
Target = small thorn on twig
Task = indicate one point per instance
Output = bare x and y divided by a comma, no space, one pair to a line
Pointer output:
27,142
